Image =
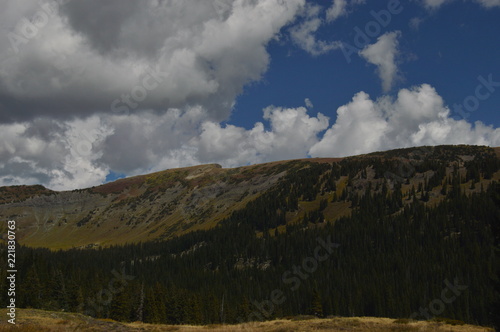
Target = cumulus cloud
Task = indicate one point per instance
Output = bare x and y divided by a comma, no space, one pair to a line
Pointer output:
418,116
180,138
142,141
356,130
148,55
292,132
80,153
136,88
57,154
383,54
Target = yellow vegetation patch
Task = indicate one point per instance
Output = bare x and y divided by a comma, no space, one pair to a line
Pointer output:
40,321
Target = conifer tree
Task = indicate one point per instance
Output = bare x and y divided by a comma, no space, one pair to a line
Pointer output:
316,305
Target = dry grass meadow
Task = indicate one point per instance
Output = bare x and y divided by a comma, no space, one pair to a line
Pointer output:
29,320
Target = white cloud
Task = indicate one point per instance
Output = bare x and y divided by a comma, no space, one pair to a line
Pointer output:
59,155
291,135
176,71
436,4
83,152
304,33
198,53
309,103
359,128
416,117
338,9
341,8
383,54
144,142
489,3
415,23
80,153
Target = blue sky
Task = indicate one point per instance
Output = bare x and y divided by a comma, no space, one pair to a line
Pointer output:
450,48
91,91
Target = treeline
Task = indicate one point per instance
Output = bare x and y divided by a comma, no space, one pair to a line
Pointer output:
385,266
392,257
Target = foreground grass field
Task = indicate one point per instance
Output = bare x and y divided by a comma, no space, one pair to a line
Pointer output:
29,320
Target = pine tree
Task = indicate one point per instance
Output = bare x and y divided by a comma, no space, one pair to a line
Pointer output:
495,305
316,305
30,291
121,307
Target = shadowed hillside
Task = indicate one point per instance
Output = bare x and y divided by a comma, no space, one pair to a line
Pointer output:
402,233
173,202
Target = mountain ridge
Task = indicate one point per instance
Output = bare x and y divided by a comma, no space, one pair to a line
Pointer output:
393,228
173,202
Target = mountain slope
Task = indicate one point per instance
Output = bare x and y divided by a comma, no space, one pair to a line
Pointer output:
177,201
384,234
141,208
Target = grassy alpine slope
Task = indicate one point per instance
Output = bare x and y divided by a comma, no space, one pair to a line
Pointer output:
398,230
170,203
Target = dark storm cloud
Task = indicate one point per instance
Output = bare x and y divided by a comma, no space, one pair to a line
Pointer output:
83,57
101,22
